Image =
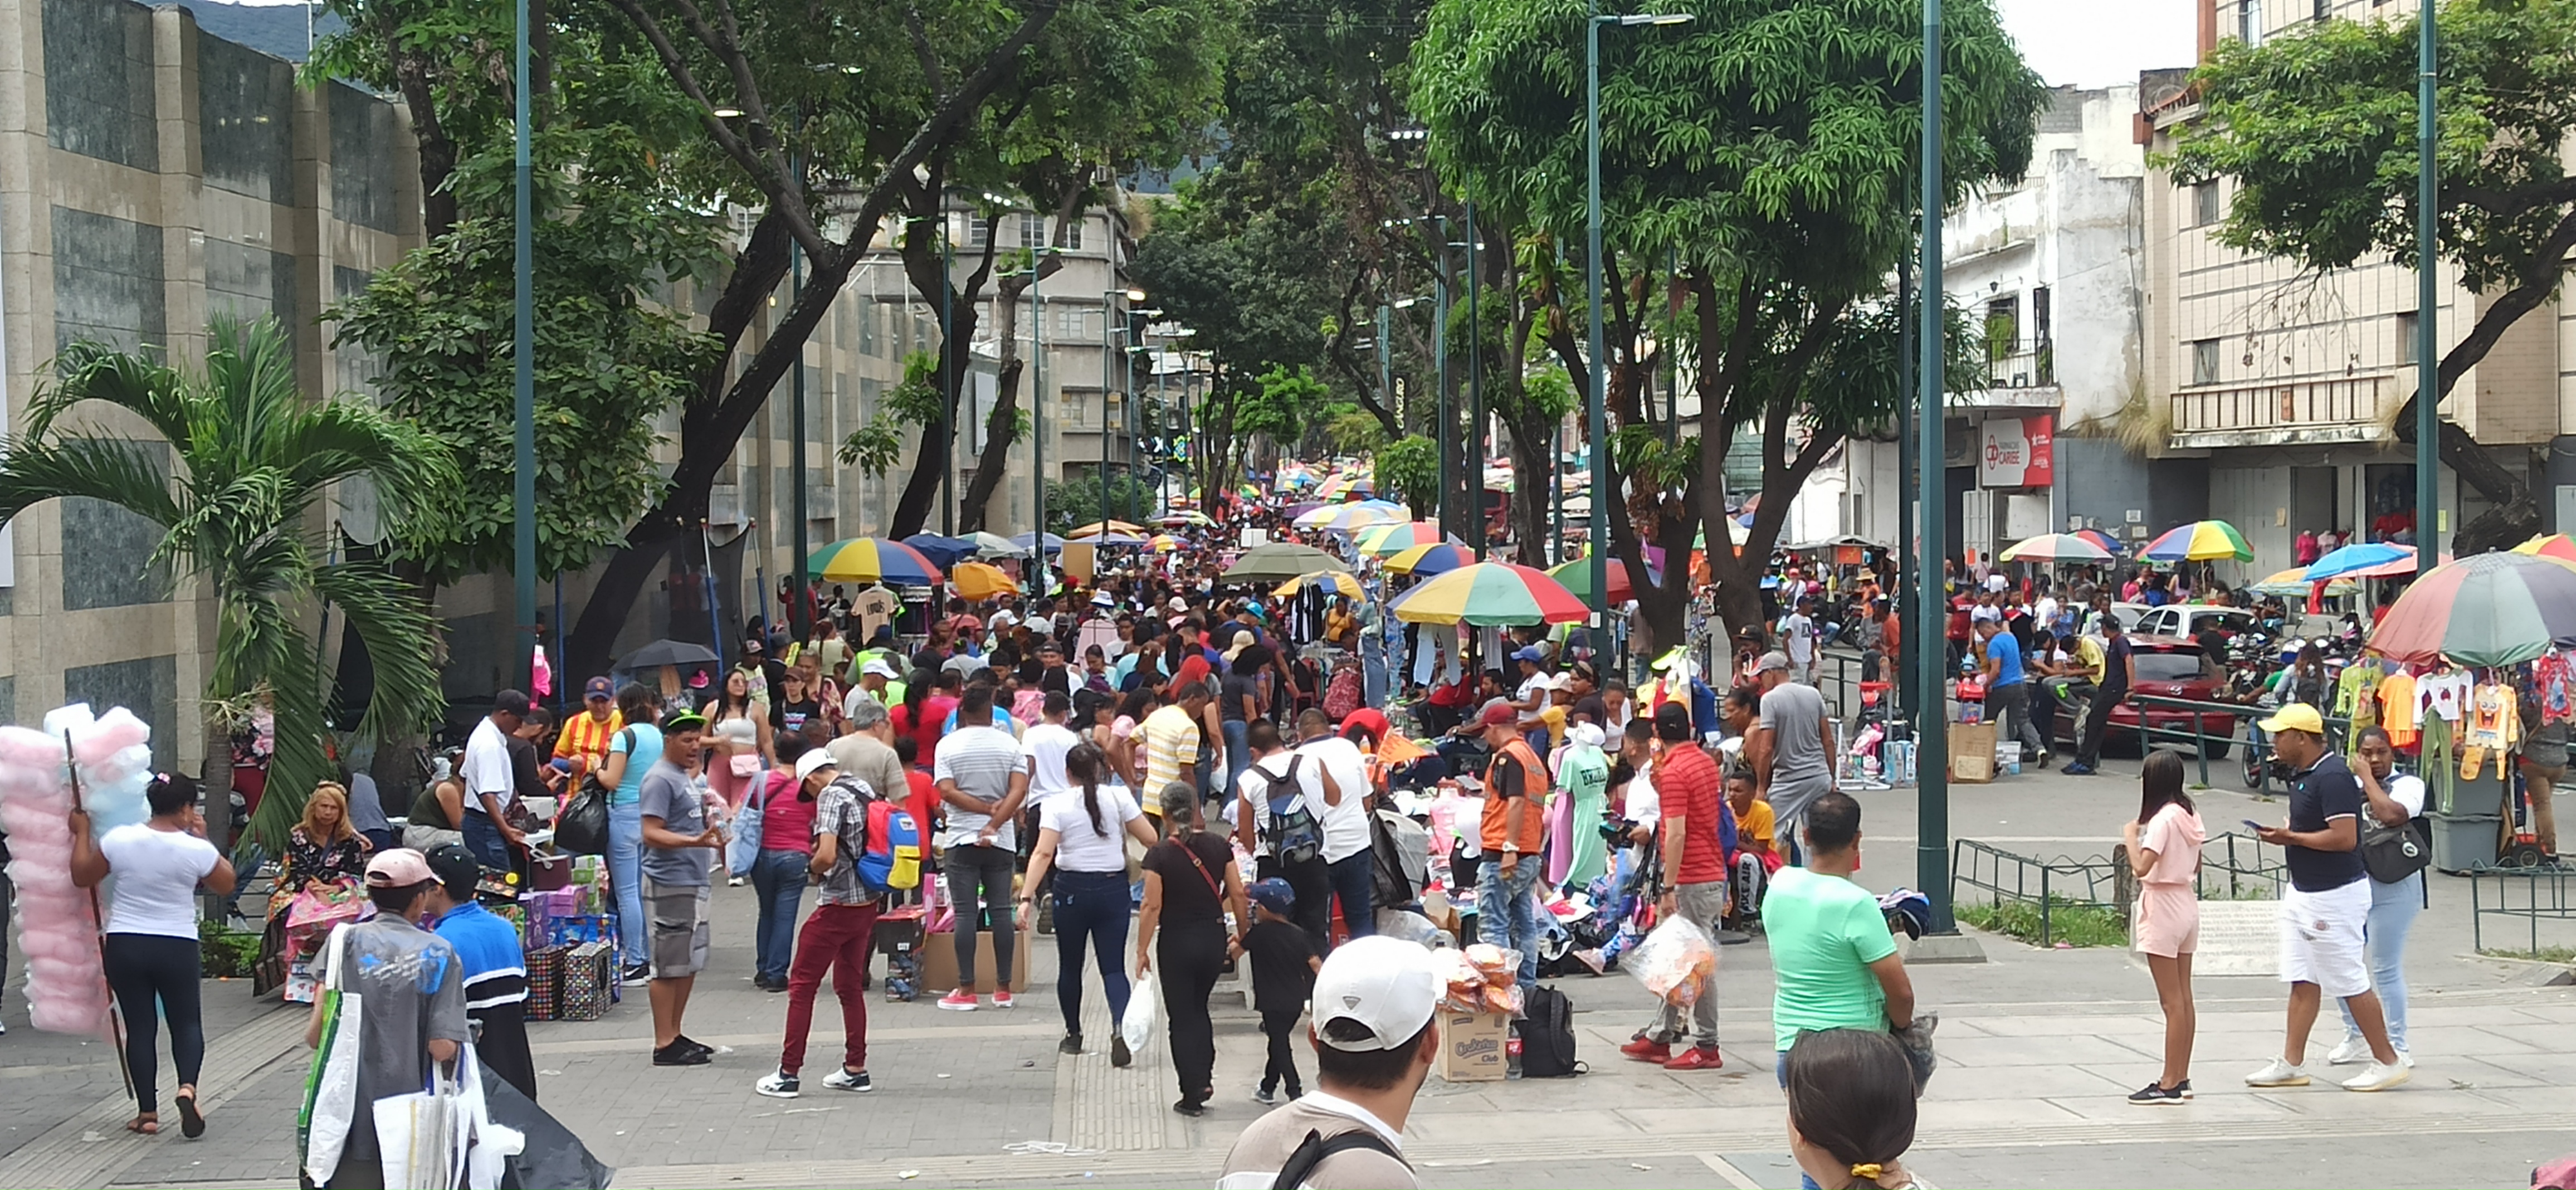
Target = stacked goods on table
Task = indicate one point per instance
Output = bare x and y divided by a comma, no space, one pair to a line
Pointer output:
570,937
1480,996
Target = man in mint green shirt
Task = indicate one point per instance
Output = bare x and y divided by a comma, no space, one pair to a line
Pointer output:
1833,960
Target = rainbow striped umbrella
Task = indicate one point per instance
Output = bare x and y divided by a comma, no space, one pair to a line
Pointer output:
1423,561
1348,518
1334,581
2554,545
2056,547
872,560
2294,582
2199,541
1490,594
1577,577
1165,543
1386,541
2490,609
1113,527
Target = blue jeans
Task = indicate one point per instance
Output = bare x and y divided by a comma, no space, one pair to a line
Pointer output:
778,878
1373,670
483,838
1354,880
625,877
1238,756
2393,908
1090,906
1506,914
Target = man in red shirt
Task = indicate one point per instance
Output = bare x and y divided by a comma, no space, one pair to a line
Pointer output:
1687,780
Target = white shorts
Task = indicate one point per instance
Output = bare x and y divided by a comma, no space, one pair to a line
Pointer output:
2321,938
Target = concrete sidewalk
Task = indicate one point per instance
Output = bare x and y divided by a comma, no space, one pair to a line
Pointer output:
2039,1050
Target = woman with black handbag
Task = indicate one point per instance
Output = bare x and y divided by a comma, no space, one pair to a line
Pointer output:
2396,851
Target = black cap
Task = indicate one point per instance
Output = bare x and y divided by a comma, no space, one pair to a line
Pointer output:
1673,723
456,869
515,702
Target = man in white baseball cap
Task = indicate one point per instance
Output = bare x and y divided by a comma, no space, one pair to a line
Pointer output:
1374,1045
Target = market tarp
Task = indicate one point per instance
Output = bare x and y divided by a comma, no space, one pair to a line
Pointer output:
2488,609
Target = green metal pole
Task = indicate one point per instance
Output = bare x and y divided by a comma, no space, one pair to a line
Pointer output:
799,617
1932,743
948,384
523,358
2428,360
1476,451
1597,417
1107,305
1440,385
1037,419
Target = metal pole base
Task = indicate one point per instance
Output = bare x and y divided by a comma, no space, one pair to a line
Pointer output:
1942,948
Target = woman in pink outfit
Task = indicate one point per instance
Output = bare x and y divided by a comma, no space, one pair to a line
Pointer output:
2164,854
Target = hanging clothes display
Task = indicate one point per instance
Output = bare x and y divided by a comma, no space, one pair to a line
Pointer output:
2553,687
2494,726
2439,782
2445,694
2397,694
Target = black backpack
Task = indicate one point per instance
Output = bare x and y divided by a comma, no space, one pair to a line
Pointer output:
1294,835
1547,1034
1312,1151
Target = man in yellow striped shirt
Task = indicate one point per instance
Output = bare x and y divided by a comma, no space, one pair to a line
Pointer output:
584,739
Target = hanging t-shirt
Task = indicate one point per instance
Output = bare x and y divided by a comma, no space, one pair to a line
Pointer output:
2397,694
2445,694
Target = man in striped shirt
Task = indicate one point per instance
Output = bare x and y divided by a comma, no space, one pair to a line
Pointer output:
584,739
496,973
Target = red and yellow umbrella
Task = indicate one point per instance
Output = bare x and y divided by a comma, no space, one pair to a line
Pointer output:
1386,541
1423,561
2554,545
2199,541
872,560
1491,593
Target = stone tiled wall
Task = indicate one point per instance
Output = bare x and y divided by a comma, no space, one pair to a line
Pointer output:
153,176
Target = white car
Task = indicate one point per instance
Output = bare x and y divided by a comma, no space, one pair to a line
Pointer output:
2183,619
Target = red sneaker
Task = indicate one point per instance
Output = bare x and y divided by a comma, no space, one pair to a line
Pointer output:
1698,1057
1001,997
1648,1050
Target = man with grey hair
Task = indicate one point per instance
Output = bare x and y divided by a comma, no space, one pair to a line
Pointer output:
1791,746
866,751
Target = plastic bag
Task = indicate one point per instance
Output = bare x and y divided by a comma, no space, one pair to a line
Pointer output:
1136,1026
331,1084
1413,927
1479,979
1674,962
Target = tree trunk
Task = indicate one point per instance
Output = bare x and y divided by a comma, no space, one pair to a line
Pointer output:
995,459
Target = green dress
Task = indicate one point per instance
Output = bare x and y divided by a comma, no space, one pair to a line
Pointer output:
1584,775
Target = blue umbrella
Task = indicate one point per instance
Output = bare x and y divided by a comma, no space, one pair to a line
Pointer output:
946,551
1030,541
2356,557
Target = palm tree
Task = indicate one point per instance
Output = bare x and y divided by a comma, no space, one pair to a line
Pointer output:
253,458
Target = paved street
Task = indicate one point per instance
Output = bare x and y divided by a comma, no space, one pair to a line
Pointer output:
2038,1048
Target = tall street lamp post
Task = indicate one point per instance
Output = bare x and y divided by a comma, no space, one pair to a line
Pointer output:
2428,362
1598,415
523,359
1932,742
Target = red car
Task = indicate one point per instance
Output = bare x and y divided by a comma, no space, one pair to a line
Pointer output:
2167,667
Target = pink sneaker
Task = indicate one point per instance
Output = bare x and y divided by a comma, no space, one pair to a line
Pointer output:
960,1000
1001,997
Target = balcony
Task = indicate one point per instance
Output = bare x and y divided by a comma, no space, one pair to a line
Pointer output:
2019,374
2341,409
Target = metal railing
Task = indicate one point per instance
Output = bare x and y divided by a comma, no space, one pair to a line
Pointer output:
2024,366
2250,869
2351,400
2064,882
2530,895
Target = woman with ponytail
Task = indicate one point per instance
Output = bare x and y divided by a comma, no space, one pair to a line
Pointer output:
1082,840
1851,1109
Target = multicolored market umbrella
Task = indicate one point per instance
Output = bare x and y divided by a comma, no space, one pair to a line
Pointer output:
1347,518
1386,541
1188,517
2101,538
2554,545
872,560
979,581
994,545
2199,541
1342,485
1577,577
1114,537
2358,557
2489,609
2293,583
2055,547
1278,562
1114,528
1026,542
1491,594
1164,543
1423,561
1338,582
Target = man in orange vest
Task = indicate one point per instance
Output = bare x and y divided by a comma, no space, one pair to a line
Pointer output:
1512,833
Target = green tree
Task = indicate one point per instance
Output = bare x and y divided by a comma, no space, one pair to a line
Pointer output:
252,459
1767,150
1409,469
1077,501
609,358
2318,129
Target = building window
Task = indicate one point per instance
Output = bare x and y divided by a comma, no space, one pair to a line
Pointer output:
2325,11
2249,22
2407,328
1072,234
1032,230
2204,203
867,308
979,230
2204,361
1069,321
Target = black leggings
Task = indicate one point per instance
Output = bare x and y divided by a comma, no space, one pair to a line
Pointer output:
1190,958
1279,1026
141,967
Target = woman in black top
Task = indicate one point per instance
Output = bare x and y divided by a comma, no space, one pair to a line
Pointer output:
1190,882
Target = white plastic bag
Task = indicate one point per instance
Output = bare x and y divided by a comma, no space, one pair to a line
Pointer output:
331,1085
1137,1026
1675,961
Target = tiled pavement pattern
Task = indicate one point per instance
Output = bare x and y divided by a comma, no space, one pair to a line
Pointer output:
2039,1049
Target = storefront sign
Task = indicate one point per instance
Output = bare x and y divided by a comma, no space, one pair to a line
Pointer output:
2017,452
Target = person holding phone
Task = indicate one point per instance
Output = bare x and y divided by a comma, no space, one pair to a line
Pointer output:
2163,844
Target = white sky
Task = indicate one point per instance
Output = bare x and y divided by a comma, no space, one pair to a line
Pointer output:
2093,43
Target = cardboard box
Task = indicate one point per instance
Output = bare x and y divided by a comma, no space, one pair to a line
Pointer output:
939,962
1472,1046
1972,752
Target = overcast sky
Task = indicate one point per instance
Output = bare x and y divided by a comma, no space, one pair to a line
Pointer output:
2093,43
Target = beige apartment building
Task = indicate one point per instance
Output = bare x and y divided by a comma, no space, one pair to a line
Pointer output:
153,174
2286,382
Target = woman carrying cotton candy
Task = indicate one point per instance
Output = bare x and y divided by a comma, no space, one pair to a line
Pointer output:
326,861
150,946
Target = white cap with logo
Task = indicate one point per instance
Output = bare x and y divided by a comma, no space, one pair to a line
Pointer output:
1385,985
813,760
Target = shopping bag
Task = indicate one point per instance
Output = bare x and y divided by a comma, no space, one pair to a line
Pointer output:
331,1084
549,1155
1136,1027
1675,961
421,1138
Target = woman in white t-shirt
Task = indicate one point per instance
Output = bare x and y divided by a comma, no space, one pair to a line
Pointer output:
2394,799
1082,840
150,949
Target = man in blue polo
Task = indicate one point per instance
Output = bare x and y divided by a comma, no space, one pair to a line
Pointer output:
2008,690
496,973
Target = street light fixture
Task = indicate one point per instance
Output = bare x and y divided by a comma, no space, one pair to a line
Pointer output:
1598,417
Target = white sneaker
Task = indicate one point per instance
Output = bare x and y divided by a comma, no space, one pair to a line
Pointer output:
2405,1059
777,1085
2378,1077
2277,1073
2352,1050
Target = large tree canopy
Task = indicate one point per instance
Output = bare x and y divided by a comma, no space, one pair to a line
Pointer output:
2319,128
1763,154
